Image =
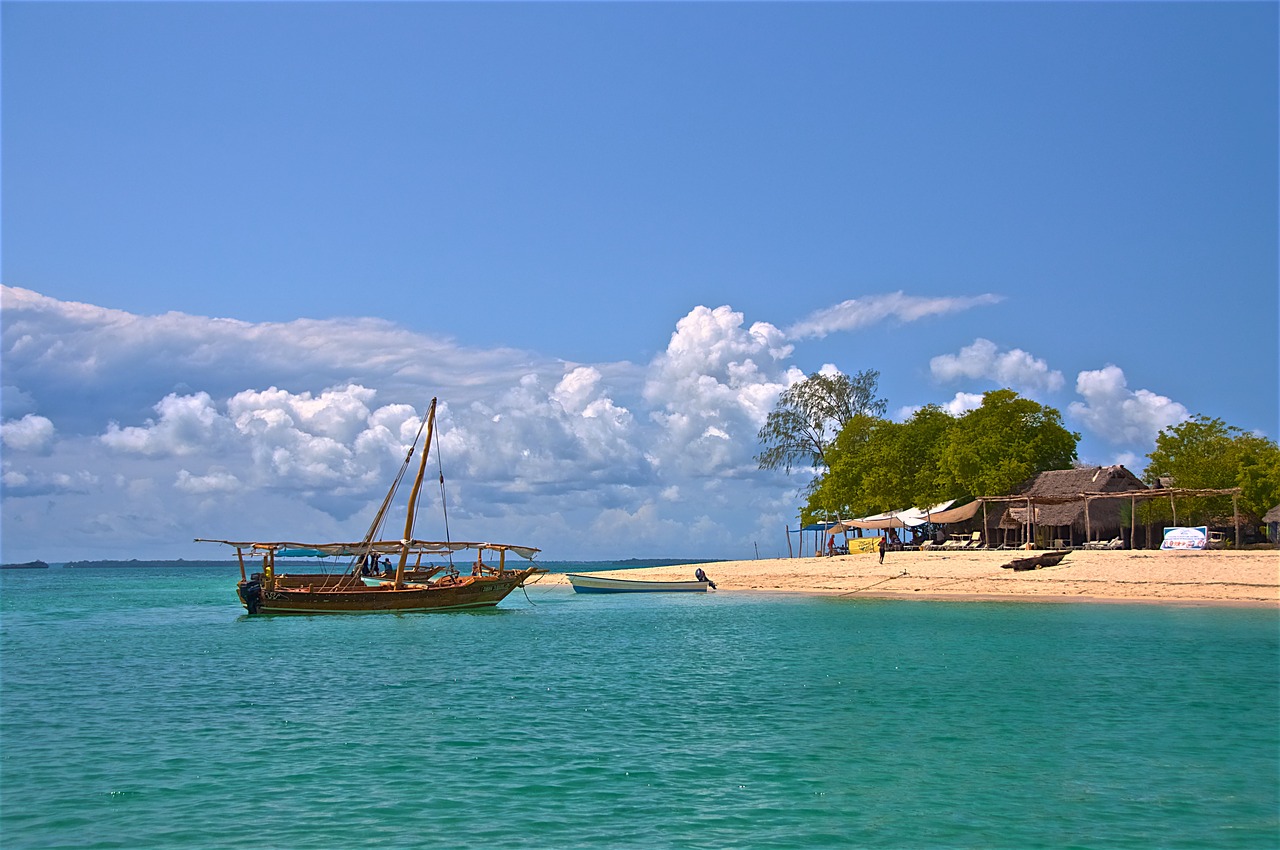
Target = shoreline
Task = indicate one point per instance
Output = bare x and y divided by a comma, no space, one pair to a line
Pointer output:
1249,578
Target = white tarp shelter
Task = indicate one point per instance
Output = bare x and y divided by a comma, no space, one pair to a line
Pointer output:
910,518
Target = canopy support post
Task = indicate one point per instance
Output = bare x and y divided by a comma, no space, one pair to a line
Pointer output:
1235,511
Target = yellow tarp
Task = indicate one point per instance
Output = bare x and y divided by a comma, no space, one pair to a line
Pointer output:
863,545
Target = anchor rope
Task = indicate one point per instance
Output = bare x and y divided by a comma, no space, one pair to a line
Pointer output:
868,587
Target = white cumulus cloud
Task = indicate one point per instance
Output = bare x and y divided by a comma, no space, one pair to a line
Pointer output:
713,387
187,424
1120,415
983,360
31,433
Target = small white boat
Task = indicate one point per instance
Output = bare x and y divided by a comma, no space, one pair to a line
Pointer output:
600,584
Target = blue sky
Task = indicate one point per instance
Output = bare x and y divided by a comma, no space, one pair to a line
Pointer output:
243,244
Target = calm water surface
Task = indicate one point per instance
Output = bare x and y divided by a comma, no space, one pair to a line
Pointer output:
139,708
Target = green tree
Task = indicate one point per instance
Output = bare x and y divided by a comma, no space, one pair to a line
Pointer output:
877,465
810,413
903,460
840,490
1207,454
1006,441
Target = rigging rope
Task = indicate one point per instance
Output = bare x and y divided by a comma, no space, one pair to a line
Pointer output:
444,507
375,528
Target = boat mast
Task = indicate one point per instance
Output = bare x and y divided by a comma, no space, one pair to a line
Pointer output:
413,496
366,545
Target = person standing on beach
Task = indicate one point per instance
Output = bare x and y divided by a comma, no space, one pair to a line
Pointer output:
884,546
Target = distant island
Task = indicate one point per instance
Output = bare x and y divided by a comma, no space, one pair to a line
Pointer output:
29,565
134,563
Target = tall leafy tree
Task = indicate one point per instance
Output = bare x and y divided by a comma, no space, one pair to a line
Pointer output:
903,460
877,465
810,413
840,491
1006,441
1208,454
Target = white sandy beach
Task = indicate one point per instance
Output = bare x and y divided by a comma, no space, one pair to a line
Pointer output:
1218,577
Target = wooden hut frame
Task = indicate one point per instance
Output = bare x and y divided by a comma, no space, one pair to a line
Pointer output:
1134,496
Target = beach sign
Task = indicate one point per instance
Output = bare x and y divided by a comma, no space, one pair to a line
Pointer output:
864,545
1185,539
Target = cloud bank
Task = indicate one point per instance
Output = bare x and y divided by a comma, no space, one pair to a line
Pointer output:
228,428
128,435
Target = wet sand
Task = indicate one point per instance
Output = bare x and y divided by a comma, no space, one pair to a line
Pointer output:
1250,577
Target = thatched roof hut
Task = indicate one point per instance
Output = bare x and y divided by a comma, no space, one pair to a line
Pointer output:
1272,523
1058,501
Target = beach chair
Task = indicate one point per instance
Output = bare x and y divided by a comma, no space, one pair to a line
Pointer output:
975,541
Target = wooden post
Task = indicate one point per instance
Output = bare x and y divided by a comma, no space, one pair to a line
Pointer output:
1235,511
1174,508
1133,522
986,535
791,553
1030,526
1088,530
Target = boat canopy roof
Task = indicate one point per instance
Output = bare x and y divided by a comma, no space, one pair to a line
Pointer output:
294,549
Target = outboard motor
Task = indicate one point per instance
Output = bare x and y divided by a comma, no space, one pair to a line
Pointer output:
250,593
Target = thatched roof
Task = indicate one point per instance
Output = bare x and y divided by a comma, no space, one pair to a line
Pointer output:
1058,494
1070,483
1272,515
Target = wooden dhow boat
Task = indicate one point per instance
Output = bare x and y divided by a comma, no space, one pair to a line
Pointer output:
362,585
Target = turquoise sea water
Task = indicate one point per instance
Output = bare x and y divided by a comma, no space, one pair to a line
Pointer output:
139,708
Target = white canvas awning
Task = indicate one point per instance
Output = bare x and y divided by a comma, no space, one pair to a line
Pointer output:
910,518
960,514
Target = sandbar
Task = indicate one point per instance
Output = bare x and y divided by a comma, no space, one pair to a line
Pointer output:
1249,577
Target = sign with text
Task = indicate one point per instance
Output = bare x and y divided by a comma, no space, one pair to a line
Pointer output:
1185,539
